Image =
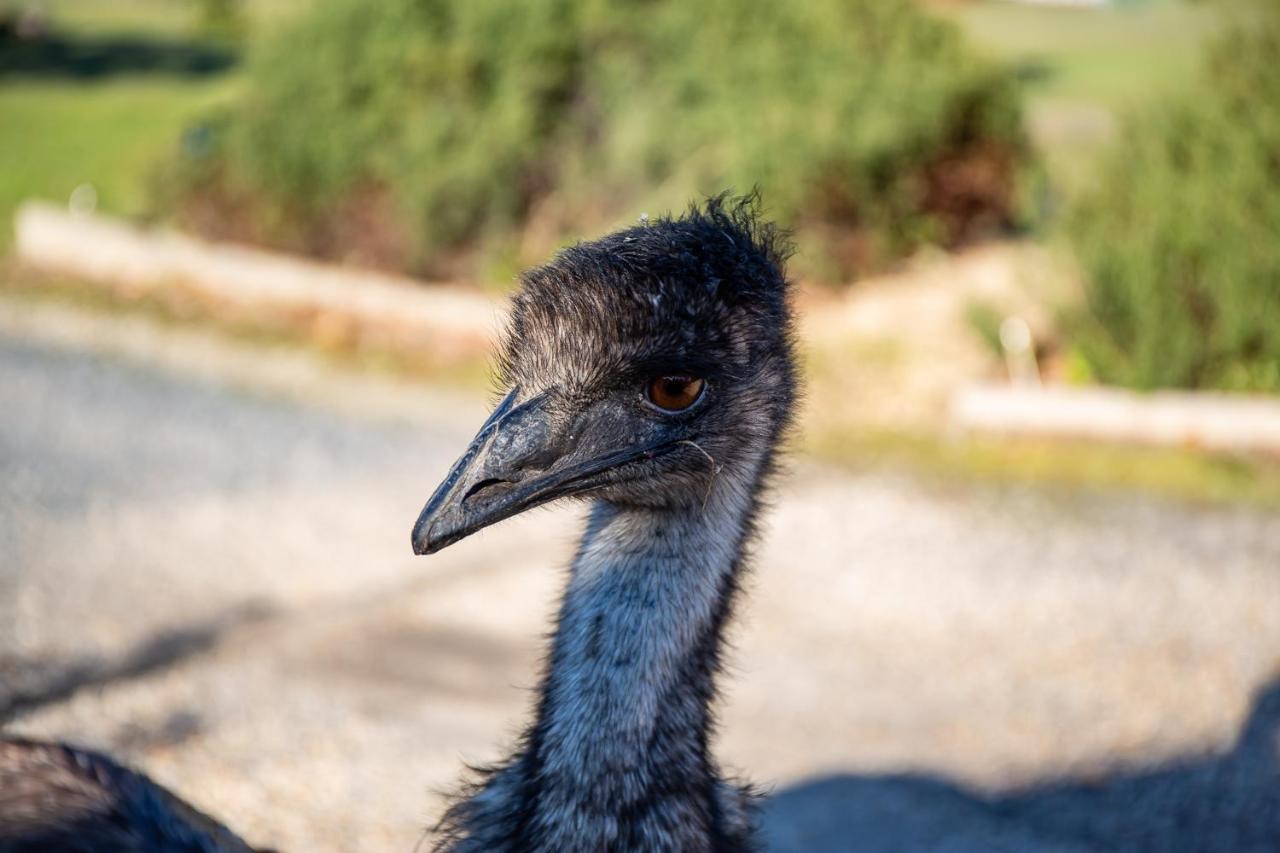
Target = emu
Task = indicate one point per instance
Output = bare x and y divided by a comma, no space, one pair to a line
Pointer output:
650,373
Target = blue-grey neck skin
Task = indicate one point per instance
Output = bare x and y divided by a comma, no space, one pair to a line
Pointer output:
618,756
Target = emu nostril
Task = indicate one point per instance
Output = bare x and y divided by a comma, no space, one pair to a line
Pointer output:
482,486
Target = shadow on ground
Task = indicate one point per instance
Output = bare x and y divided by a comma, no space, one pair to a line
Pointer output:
62,55
1208,803
27,684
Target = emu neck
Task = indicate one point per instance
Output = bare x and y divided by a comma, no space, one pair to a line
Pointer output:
620,745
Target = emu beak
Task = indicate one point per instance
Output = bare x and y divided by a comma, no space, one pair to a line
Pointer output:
518,461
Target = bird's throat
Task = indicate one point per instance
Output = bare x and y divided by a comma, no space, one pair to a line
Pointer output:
623,720
617,758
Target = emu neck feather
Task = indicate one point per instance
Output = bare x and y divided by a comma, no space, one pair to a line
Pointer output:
622,729
641,613
617,759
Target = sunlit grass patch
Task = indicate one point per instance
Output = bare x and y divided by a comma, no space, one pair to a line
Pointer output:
1083,68
1181,474
152,17
1114,54
60,127
59,134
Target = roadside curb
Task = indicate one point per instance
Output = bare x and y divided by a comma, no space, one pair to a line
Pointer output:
290,373
332,301
1197,420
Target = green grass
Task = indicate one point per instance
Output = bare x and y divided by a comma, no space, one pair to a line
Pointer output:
1168,473
58,134
146,17
1087,67
1114,55
136,17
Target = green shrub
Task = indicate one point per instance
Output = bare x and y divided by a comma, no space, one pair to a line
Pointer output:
222,20
1181,245
429,126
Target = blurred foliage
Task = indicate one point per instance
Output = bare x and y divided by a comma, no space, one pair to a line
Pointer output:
1084,68
1179,247
223,20
409,132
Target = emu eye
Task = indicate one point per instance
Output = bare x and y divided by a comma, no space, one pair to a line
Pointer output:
674,393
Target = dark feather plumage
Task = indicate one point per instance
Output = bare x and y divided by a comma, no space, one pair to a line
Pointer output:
59,799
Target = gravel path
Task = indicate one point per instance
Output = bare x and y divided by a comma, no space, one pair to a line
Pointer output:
211,578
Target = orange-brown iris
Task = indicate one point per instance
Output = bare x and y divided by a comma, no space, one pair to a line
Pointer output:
674,393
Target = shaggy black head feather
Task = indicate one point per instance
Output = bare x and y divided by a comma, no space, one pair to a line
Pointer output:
705,290
704,294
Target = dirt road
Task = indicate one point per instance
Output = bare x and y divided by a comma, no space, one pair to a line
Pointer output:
207,573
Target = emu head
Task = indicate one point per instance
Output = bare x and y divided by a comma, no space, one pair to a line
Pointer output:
637,369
